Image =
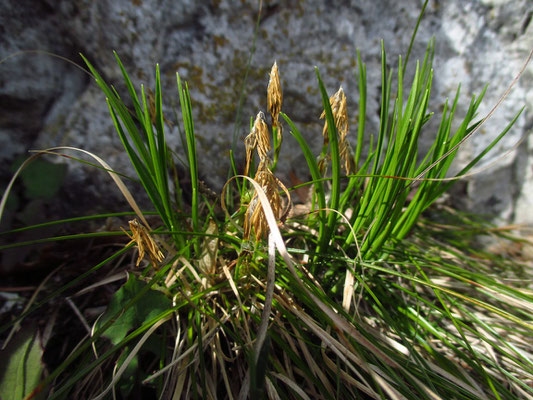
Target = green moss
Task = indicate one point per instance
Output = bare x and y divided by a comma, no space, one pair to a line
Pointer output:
219,41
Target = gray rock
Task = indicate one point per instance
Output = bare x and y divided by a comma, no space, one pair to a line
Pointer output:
47,102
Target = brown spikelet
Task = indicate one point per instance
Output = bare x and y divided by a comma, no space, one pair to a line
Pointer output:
263,136
274,95
340,115
323,164
145,243
258,139
255,217
346,155
250,143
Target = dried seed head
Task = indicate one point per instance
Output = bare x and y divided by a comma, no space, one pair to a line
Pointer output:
145,243
346,155
259,139
341,121
274,95
255,217
262,135
323,164
340,114
250,143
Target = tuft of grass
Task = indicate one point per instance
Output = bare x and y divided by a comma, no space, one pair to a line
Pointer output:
369,289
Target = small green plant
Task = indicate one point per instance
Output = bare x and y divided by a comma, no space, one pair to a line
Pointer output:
353,294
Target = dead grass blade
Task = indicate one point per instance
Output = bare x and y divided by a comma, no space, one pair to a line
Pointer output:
130,357
293,385
120,184
238,297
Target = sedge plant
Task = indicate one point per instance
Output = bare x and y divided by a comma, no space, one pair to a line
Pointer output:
356,293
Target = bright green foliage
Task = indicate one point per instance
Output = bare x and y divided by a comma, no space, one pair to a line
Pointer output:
146,145
186,110
381,212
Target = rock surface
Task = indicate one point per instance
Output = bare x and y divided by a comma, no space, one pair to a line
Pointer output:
47,101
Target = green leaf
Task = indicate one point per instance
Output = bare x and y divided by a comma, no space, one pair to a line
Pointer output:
43,179
20,365
150,305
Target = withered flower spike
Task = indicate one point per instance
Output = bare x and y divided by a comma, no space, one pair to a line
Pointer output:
145,243
250,143
255,217
263,137
274,95
258,139
323,164
346,155
340,114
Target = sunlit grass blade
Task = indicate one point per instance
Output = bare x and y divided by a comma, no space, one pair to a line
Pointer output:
362,110
335,163
123,113
186,110
318,182
148,159
478,158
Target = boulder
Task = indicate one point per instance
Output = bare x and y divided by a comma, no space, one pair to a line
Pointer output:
47,101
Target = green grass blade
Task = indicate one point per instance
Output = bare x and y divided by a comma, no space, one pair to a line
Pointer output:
335,162
315,174
362,110
186,110
123,112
